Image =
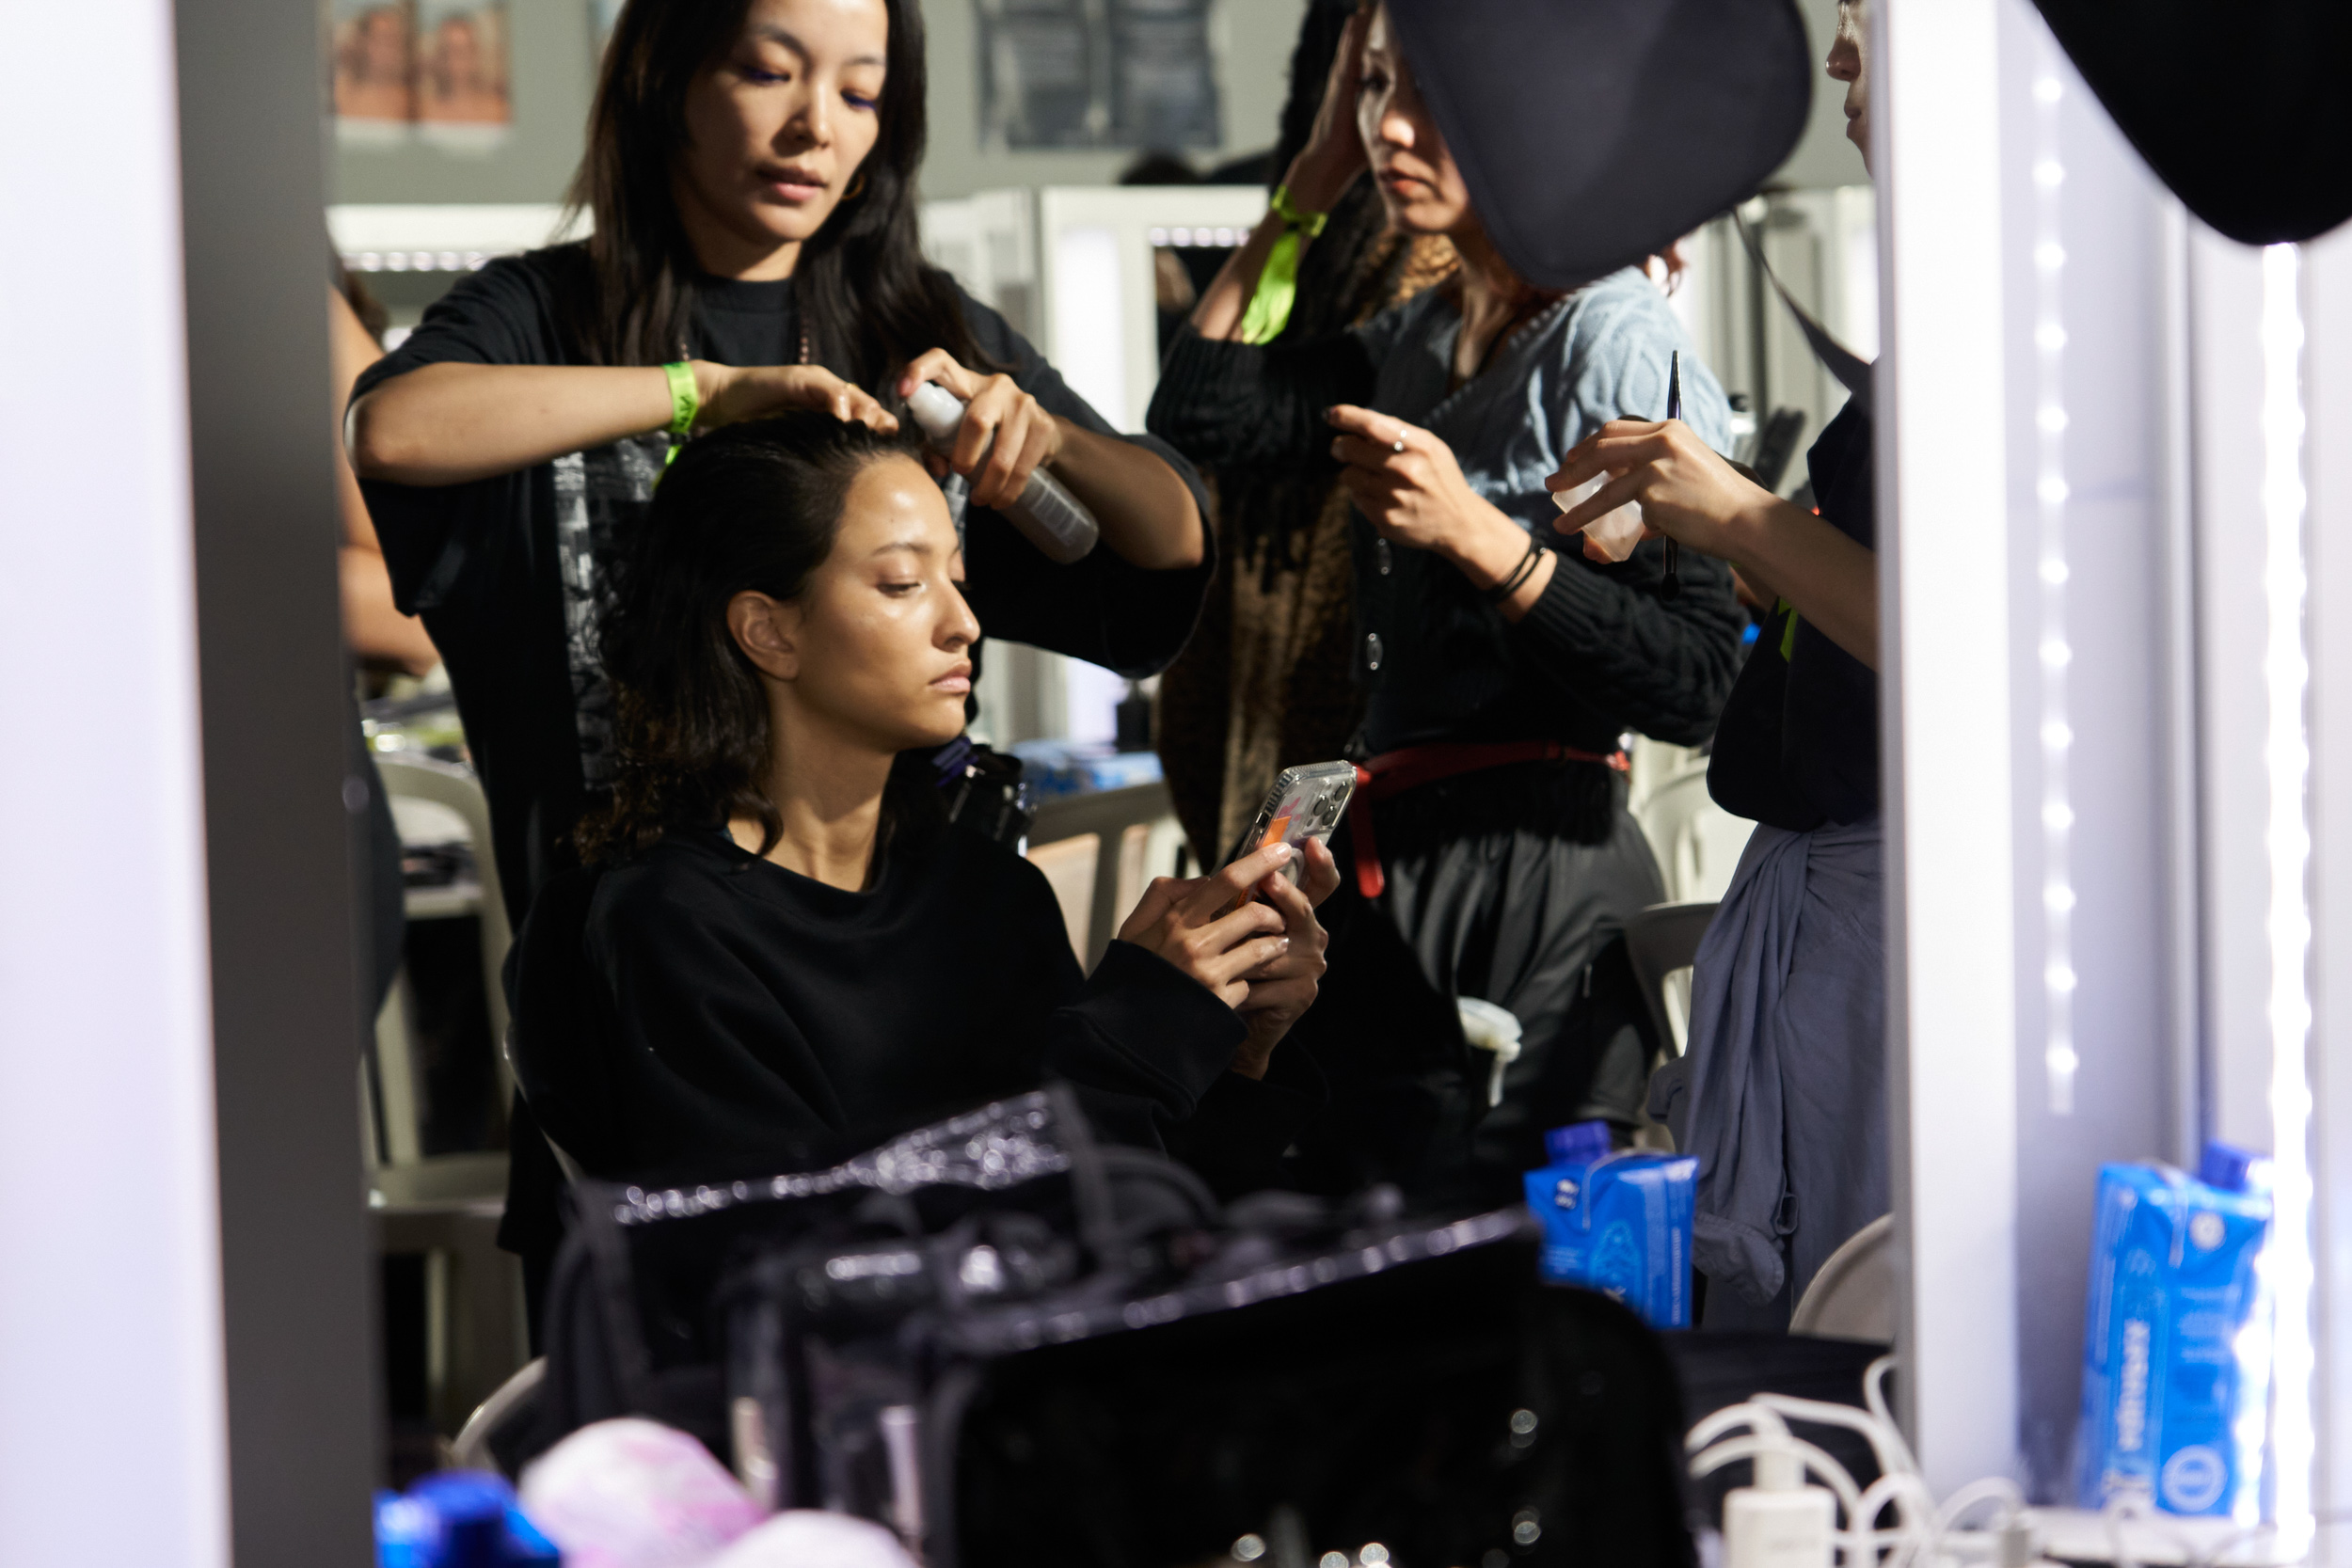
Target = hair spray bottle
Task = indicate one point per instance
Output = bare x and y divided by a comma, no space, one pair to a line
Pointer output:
1048,515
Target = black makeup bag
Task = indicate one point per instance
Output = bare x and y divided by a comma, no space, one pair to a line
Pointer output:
1013,1345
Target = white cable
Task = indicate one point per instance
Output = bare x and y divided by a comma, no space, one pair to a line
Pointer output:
1899,1489
1892,1456
1762,1417
1874,1399
1921,1526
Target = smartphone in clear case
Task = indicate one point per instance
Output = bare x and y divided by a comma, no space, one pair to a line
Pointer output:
1305,802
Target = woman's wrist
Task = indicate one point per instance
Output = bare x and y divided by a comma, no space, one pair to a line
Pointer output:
1317,180
710,380
1756,533
1487,547
1256,1053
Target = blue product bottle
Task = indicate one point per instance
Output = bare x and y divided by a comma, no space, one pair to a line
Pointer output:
2176,1371
1617,1223
458,1519
408,1534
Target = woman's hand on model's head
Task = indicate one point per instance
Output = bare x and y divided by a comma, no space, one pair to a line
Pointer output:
1209,928
1334,153
1006,436
1405,481
1689,492
730,393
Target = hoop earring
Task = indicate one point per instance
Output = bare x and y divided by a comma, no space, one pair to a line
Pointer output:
857,187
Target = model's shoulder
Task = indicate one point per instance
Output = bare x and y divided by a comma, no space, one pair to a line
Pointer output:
679,874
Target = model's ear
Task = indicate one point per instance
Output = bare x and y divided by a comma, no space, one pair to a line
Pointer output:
768,630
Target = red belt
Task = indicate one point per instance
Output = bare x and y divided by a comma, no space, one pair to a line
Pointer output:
1392,773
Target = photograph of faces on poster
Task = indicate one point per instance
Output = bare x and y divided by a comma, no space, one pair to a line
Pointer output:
1076,73
462,64
369,43
434,69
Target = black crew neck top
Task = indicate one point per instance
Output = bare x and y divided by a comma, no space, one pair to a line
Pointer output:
1797,743
699,1009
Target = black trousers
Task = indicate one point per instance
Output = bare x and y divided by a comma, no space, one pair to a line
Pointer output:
1514,885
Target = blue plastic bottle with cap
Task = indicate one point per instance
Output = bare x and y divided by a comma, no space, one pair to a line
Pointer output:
1617,1221
458,1519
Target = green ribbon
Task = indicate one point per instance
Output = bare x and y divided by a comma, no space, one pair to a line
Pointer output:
1269,308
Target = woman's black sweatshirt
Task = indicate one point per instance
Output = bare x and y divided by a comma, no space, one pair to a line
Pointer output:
700,1008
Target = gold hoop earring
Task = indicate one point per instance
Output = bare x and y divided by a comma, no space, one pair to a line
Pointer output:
857,187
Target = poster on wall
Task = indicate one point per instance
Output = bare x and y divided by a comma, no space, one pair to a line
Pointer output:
463,96
1039,81
1163,75
370,45
1098,73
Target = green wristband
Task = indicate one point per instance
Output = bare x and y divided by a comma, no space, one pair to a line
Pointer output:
1269,308
685,401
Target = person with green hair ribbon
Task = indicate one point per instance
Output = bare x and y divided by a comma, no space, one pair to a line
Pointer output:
1490,849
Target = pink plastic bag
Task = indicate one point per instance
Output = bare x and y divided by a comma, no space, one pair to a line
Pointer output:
635,1494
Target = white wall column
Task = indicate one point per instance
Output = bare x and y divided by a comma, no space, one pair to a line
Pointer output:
113,1448
1943,584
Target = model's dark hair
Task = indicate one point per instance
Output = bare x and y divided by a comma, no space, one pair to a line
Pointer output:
751,507
869,301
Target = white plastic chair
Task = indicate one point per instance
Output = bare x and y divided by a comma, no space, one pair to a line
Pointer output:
1697,843
1853,1295
447,1207
470,1448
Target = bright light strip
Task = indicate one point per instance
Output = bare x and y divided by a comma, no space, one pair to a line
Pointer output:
2287,755
2051,490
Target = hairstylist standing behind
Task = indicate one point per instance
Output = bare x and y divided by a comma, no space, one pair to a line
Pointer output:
1788,1054
751,171
1492,837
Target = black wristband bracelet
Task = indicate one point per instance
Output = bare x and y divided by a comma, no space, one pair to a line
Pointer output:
1519,574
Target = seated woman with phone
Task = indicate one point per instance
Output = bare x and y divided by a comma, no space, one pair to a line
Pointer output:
780,947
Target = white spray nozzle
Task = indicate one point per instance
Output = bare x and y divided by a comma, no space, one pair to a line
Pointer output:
937,413
1047,515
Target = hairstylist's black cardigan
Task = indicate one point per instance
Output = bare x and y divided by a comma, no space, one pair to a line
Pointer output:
1797,743
699,1009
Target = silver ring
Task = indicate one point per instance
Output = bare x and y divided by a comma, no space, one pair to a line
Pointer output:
1398,445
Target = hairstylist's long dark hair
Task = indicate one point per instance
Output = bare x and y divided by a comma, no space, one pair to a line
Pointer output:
869,300
753,506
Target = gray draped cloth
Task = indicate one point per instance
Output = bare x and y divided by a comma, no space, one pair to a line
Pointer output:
1787,1064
